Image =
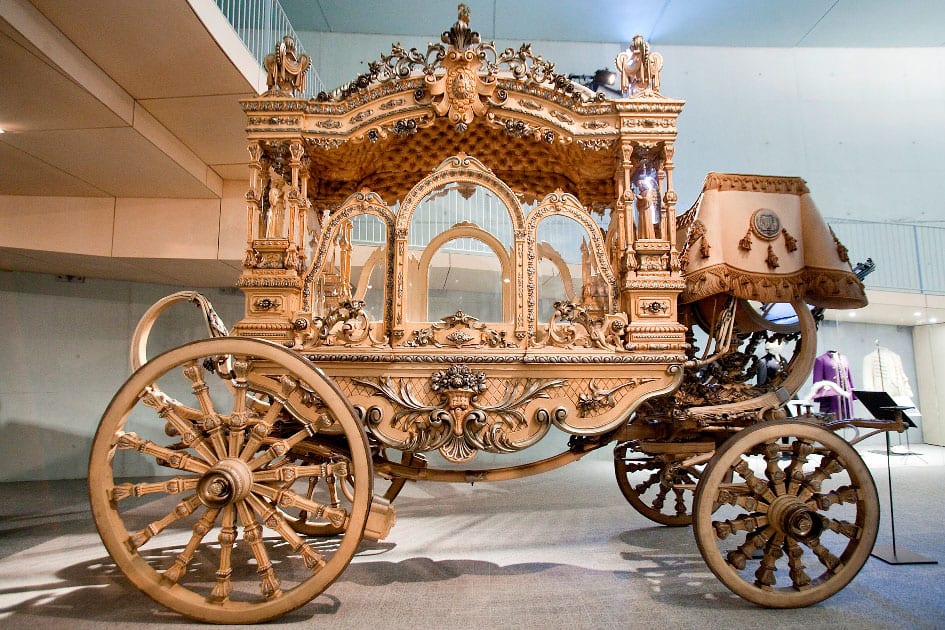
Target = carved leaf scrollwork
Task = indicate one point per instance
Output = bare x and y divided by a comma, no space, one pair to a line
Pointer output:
458,425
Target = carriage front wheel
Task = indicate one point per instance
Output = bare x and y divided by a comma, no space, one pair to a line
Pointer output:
202,462
656,485
797,520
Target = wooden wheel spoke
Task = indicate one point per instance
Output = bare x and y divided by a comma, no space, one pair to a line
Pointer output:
795,470
739,556
227,538
289,474
280,448
660,500
164,456
844,494
765,574
201,529
747,523
190,435
795,555
260,431
212,422
773,472
826,557
182,510
309,493
758,487
284,498
252,533
276,521
844,528
331,481
680,504
634,465
175,485
239,418
829,466
648,483
287,386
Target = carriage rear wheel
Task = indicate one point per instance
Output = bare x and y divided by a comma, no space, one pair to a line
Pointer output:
796,522
203,461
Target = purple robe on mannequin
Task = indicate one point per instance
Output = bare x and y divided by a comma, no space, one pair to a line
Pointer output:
834,367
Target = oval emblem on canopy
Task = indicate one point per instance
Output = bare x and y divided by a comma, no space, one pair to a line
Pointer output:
766,223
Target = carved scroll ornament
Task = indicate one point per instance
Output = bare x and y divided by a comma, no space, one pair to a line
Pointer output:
458,424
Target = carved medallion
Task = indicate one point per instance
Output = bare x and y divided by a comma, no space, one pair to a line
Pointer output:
766,224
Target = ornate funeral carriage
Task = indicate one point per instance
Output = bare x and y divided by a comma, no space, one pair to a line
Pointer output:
458,254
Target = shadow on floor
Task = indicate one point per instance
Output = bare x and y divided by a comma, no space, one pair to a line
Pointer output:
97,591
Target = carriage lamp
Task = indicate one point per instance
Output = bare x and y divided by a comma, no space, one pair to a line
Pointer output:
603,78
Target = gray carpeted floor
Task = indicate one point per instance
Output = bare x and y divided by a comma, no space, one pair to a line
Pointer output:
559,550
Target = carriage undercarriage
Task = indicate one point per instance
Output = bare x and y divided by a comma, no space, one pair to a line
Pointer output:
233,478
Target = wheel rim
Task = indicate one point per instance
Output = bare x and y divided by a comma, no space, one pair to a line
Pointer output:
657,488
212,536
796,522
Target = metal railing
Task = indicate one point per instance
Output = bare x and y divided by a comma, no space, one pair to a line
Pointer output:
909,257
261,24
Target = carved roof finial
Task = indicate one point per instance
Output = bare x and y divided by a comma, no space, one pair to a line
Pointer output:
460,36
639,68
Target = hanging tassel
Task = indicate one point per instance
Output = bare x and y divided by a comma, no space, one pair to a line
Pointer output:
789,241
772,259
745,243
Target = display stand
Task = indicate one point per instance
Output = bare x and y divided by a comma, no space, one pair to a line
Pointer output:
883,407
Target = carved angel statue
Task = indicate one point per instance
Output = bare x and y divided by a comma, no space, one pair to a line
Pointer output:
285,70
639,68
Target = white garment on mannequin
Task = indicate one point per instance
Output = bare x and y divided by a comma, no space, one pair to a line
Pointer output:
883,372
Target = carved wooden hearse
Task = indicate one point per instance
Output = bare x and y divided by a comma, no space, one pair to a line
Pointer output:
478,253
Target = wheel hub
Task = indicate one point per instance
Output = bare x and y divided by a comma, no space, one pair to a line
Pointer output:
791,517
227,482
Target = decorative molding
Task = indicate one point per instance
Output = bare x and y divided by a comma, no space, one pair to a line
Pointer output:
755,183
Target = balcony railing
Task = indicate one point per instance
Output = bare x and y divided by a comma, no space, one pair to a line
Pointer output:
261,24
908,257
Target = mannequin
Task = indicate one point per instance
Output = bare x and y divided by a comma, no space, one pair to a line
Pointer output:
771,363
834,368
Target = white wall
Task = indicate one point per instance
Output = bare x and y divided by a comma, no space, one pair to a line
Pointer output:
64,353
930,353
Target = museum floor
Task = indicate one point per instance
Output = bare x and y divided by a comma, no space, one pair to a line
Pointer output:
557,550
